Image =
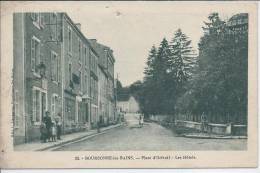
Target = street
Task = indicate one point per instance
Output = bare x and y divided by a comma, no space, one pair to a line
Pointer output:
150,137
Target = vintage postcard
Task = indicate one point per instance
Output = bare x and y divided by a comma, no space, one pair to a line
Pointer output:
128,84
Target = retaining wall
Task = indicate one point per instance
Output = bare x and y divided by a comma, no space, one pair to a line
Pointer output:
224,129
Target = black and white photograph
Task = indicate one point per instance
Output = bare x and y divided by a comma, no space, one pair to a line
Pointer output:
137,77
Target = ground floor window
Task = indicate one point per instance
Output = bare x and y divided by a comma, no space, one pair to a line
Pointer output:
70,109
54,105
94,114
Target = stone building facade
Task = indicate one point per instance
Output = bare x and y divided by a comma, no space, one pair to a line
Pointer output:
78,61
106,97
37,54
55,69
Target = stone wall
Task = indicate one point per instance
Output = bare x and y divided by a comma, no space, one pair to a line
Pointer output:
223,129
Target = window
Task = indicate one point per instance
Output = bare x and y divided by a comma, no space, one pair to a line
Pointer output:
38,19
35,54
39,103
70,73
80,83
54,67
16,109
85,56
54,104
79,51
86,83
70,40
42,20
78,110
70,109
33,16
53,26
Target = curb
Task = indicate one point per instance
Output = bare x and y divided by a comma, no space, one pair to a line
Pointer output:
214,137
76,139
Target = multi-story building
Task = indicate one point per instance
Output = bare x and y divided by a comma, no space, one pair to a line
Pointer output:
94,88
80,78
36,72
56,69
238,23
110,86
106,97
102,82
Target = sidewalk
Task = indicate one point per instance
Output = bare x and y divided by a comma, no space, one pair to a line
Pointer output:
211,136
38,146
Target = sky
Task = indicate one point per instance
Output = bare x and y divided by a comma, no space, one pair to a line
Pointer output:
130,30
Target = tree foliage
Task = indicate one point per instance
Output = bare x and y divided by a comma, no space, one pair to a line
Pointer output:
219,88
177,82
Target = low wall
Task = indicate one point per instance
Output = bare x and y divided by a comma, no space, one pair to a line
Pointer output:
188,124
158,118
224,129
239,130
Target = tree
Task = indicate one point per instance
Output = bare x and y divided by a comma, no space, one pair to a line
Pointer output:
219,88
182,58
149,69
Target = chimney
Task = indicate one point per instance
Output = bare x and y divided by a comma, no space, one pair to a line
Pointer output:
78,26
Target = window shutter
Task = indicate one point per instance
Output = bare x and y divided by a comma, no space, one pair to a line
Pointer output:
58,68
34,106
32,55
55,29
51,26
52,66
38,54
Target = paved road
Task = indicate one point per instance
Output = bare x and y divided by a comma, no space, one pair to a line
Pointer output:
151,137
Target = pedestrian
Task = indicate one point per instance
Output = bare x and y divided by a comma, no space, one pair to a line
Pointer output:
58,121
203,122
99,124
44,132
48,123
142,120
53,131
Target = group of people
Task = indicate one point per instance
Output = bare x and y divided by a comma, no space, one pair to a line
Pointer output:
51,129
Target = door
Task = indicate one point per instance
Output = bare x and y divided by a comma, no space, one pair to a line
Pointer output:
43,101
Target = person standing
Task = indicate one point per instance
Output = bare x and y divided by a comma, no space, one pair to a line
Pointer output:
142,120
58,121
43,131
203,122
48,123
99,124
53,131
